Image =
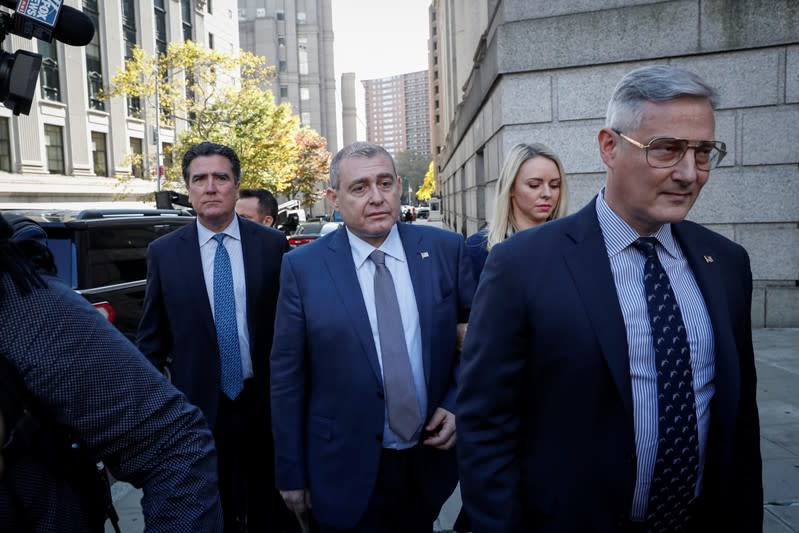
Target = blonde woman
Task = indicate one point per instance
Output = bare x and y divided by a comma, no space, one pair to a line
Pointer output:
531,190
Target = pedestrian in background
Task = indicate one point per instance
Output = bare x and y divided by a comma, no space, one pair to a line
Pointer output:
208,319
608,378
257,205
530,190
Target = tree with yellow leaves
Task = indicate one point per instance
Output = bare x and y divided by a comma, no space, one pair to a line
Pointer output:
208,95
428,187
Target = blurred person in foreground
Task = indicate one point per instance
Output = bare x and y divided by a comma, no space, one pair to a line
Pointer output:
364,364
208,317
76,391
611,386
257,205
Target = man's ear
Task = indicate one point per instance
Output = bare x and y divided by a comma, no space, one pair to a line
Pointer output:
332,197
608,146
269,221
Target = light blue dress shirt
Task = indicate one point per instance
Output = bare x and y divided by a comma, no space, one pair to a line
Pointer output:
232,243
397,264
627,265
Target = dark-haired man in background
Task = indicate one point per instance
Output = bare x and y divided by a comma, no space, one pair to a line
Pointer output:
258,205
208,318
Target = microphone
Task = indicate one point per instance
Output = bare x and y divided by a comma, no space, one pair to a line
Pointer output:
49,19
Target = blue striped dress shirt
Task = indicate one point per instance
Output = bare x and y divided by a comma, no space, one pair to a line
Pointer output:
627,265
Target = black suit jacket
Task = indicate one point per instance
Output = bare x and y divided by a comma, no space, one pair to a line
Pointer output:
545,413
177,323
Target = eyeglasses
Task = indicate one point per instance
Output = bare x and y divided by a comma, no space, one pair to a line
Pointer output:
665,152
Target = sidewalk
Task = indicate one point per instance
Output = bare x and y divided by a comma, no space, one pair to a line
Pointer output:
777,358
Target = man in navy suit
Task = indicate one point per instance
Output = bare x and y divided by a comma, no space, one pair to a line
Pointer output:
363,396
566,420
208,319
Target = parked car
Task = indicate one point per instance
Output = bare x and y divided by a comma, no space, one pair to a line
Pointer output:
423,212
102,254
306,232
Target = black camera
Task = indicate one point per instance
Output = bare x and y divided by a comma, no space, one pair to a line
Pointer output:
41,19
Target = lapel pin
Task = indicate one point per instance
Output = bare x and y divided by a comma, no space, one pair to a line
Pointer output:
424,255
708,259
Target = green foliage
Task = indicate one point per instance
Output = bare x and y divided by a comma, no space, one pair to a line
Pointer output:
222,98
313,164
425,192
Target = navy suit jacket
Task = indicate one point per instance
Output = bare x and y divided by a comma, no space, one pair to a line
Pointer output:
545,412
177,327
327,390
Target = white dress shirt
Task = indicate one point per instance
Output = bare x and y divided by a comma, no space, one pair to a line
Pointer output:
232,243
397,265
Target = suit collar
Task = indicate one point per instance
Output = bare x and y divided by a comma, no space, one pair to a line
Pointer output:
699,252
420,266
589,266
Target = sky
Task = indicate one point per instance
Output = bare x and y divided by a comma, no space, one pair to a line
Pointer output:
376,39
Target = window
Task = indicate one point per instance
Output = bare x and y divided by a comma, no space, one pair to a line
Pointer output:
281,42
279,15
209,4
51,85
5,146
129,34
99,154
281,66
300,17
94,63
185,10
160,26
303,55
305,93
211,41
284,91
137,161
54,145
305,118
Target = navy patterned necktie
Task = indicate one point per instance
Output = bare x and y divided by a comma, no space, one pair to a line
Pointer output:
227,332
674,478
401,403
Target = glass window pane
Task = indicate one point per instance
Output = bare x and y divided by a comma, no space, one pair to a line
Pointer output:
54,145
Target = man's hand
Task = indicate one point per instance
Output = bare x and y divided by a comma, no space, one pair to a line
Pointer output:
460,335
298,500
441,428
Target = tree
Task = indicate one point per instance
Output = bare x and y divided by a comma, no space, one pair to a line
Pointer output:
411,166
313,163
218,97
425,192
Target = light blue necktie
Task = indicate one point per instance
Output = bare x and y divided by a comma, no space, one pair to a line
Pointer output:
227,332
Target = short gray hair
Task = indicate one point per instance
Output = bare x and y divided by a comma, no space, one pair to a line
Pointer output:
359,149
657,83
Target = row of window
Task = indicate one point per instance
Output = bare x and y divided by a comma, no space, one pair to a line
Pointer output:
49,77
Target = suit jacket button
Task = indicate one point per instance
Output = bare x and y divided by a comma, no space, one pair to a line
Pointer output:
379,437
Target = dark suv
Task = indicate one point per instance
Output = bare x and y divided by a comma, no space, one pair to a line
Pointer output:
102,254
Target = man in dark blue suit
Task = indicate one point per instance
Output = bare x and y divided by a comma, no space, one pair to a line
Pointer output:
589,399
364,362
208,319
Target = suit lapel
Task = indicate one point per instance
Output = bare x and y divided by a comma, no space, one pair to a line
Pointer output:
342,273
252,276
420,268
589,266
727,376
189,255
